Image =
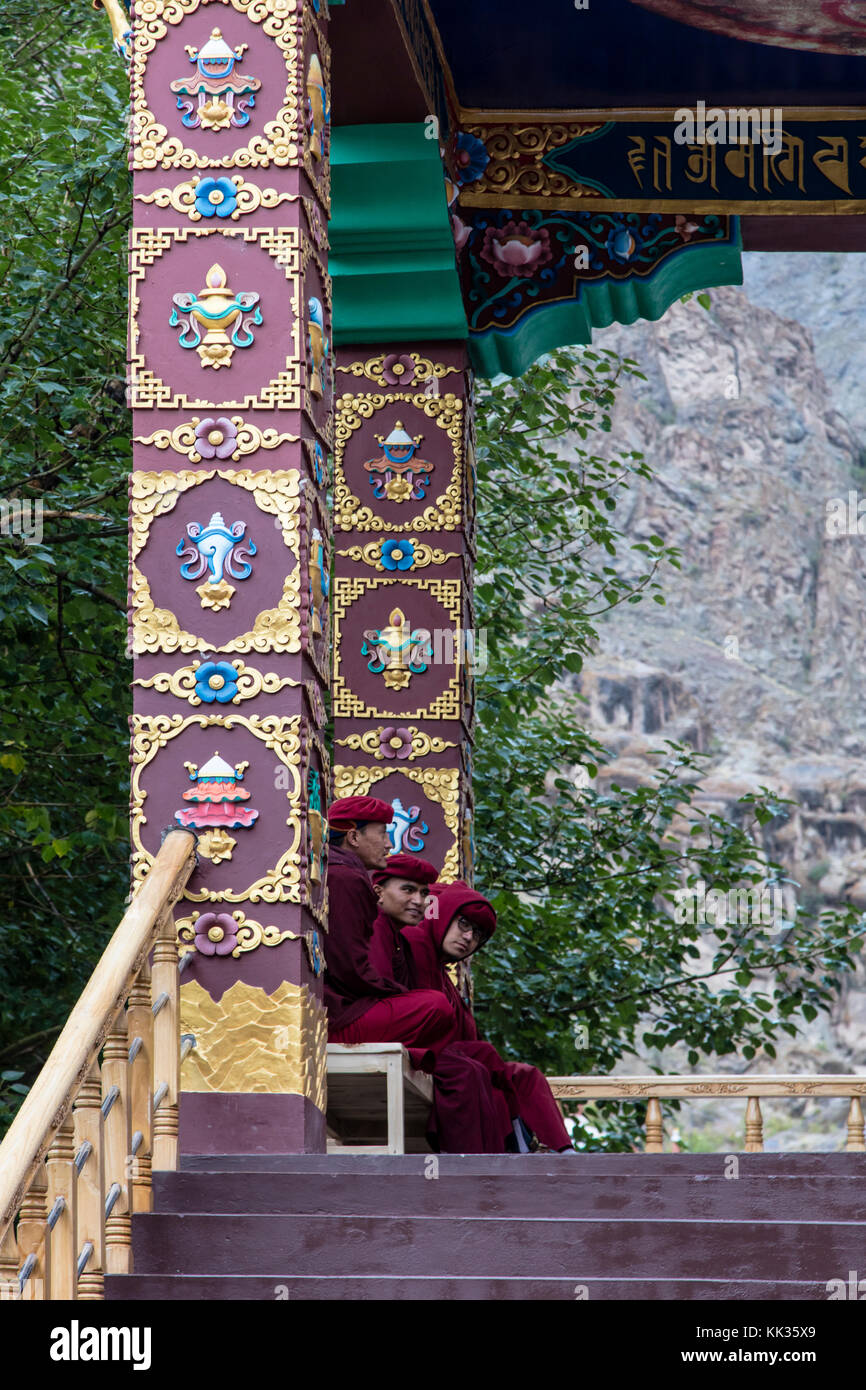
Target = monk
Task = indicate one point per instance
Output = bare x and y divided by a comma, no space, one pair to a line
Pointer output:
370,992
469,1114
459,922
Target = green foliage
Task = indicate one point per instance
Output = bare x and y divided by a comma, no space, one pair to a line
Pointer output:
580,880
64,444
584,880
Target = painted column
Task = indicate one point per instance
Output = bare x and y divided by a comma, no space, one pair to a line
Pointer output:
405,653
231,387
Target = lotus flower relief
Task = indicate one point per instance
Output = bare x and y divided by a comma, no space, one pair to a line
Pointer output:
517,249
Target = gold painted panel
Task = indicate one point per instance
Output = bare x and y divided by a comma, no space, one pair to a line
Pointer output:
251,1041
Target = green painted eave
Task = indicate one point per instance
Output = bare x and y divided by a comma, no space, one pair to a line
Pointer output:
606,302
392,252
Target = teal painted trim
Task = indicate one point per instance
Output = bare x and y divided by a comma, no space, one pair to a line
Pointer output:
601,304
392,252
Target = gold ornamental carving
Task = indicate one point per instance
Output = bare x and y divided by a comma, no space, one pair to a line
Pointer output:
517,169
423,555
155,629
353,411
278,142
422,745
182,683
439,784
283,391
281,736
253,1041
248,198
247,439
347,705
250,934
425,369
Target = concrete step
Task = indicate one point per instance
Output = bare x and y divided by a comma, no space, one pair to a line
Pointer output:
409,1288
522,1193
496,1247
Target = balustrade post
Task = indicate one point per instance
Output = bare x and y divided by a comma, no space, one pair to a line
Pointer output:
166,1045
754,1127
9,1263
118,1134
32,1236
140,1034
90,1225
654,1127
856,1130
61,1252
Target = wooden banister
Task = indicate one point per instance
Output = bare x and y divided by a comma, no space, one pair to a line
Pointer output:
74,1184
654,1089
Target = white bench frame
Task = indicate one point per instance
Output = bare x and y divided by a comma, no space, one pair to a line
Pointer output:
391,1060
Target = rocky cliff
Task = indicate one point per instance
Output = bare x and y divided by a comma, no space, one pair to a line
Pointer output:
755,426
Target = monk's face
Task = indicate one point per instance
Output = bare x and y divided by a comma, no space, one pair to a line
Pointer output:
461,939
370,843
403,900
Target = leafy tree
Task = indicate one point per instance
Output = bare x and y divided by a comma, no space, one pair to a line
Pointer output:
65,450
587,966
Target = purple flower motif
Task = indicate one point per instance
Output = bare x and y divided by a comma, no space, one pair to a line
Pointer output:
215,438
395,743
398,369
216,934
516,249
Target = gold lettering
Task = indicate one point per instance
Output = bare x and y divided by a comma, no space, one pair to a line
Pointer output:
662,158
701,165
636,157
741,159
792,154
833,162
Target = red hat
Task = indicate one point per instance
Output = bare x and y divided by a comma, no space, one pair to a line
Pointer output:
343,814
449,899
406,866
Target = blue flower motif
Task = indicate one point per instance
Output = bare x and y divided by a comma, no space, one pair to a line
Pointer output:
215,197
398,555
471,158
216,680
621,244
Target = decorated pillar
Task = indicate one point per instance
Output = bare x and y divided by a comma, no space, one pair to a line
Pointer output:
405,647
231,388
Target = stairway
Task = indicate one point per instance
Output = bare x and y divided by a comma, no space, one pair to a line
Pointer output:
597,1226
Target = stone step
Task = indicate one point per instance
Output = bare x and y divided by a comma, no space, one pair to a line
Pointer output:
755,1197
409,1288
497,1247
803,1164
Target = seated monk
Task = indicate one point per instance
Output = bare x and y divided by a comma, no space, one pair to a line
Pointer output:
469,1114
459,921
370,991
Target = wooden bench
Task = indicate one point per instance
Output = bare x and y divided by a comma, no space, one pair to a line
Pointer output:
377,1102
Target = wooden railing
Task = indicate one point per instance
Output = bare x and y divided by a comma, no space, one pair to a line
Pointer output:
655,1089
77,1160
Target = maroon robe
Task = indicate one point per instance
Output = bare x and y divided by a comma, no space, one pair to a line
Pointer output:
523,1089
370,989
466,1116
352,982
